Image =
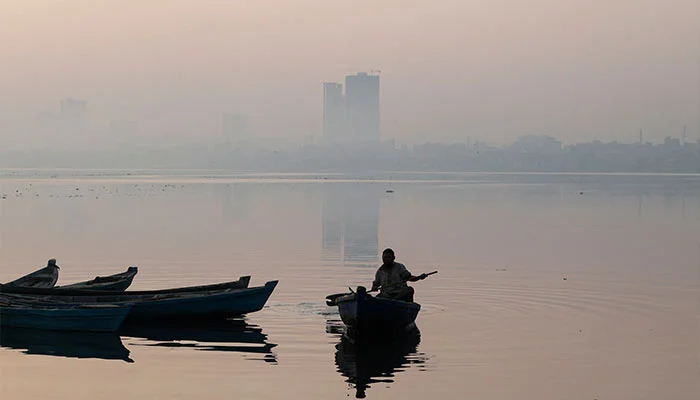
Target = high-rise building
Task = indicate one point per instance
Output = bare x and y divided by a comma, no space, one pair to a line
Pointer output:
235,128
362,108
333,113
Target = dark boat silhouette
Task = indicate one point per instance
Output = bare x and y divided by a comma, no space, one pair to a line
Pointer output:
117,282
217,301
47,277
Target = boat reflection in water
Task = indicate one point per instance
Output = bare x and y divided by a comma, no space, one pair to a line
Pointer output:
232,335
369,361
102,345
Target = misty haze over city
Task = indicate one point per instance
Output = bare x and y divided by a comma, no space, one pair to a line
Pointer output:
83,75
307,199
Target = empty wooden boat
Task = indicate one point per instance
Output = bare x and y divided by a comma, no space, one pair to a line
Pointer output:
117,282
173,304
43,278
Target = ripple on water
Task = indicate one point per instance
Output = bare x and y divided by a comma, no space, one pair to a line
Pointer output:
533,298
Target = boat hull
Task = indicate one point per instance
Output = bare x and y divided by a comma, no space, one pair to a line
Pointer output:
52,317
374,316
170,305
225,304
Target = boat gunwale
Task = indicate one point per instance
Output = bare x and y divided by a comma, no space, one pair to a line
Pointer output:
58,291
91,300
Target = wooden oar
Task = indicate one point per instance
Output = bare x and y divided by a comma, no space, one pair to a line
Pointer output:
331,298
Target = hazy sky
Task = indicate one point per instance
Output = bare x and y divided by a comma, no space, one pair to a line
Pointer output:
488,69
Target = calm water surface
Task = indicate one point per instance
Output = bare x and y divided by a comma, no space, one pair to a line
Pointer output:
549,286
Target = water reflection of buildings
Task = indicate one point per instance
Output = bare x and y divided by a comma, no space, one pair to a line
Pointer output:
351,223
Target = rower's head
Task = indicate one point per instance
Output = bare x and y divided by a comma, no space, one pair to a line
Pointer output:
388,256
52,263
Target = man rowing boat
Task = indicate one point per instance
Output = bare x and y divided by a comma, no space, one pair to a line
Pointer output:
391,278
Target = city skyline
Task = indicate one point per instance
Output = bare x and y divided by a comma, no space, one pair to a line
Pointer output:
570,70
74,122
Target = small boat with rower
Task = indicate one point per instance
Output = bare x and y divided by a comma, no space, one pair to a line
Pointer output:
374,316
367,315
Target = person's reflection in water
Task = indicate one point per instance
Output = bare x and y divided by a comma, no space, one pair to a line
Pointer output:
368,362
106,346
233,335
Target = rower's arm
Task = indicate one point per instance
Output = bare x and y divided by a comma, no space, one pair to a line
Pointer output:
414,278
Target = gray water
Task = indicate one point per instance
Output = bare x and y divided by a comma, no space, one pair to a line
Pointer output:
549,286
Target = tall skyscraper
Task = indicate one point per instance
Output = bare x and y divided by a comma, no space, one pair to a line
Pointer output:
235,128
333,113
362,108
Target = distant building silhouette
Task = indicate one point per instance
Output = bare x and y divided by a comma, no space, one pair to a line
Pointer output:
672,143
362,108
333,113
352,119
235,129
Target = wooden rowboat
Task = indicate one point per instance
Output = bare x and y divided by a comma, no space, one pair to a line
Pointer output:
23,313
219,302
46,278
43,278
117,282
366,315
